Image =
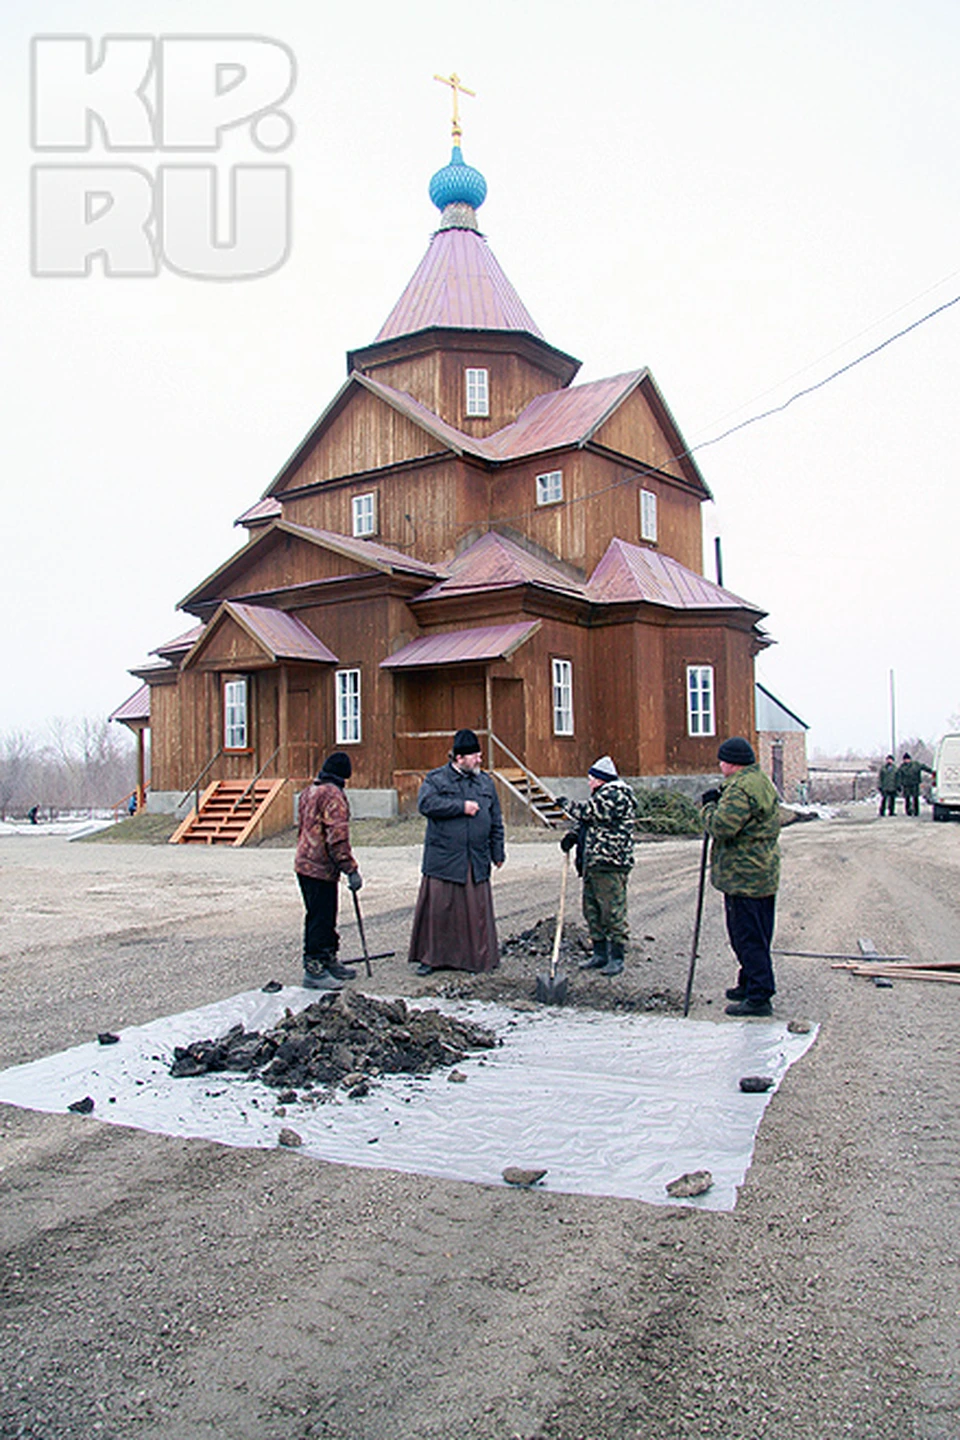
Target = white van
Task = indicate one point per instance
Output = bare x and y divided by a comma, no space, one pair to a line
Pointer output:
946,782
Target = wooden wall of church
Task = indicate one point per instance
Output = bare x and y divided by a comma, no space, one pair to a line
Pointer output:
601,499
367,434
438,380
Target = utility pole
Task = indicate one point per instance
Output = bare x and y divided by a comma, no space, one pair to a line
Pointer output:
893,718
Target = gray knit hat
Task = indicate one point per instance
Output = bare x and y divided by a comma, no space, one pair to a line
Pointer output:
603,769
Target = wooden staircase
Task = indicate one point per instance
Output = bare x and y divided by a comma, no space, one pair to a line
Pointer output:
537,798
230,812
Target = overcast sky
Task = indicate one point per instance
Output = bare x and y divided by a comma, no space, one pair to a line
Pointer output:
743,197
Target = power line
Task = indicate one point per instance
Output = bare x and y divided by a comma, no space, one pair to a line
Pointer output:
777,409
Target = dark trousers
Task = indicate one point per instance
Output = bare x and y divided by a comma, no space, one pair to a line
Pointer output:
750,928
320,925
911,801
888,802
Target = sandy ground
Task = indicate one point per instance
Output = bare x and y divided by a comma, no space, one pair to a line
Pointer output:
180,1290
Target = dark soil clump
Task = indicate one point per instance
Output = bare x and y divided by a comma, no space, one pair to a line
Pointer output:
345,1034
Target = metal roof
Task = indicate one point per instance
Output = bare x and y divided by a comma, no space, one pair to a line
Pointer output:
136,708
260,513
179,646
628,573
495,562
282,635
562,417
458,285
459,647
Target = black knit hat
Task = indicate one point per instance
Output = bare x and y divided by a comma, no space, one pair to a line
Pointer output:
737,751
338,764
465,742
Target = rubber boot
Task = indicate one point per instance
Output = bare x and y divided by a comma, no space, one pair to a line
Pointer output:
317,975
614,965
599,957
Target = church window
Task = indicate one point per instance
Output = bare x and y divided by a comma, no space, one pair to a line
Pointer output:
550,488
478,394
648,515
365,514
348,707
700,704
235,714
562,697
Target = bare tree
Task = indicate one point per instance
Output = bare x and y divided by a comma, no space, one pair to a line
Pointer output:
18,767
83,764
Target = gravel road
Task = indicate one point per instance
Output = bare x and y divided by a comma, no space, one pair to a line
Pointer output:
180,1290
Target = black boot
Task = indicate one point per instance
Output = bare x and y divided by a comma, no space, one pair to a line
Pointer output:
338,971
614,965
317,974
599,957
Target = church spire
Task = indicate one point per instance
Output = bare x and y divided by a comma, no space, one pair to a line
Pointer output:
458,190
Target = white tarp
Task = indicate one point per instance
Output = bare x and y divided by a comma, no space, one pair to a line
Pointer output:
610,1104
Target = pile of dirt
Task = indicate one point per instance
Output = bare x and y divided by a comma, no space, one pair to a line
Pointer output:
537,943
346,1034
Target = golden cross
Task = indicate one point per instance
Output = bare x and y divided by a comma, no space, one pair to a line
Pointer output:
458,87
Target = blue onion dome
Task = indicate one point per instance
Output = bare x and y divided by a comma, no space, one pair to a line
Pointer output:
458,191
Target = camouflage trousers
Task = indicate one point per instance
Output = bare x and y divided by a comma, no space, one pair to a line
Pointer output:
605,904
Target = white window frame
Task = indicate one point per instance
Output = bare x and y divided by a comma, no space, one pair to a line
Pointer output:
701,701
550,488
364,514
348,707
562,680
236,695
477,381
648,516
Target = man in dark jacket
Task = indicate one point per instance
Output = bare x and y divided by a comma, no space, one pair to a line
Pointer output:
889,785
604,844
743,817
454,926
323,855
909,776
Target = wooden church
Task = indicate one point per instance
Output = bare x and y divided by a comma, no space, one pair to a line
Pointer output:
464,538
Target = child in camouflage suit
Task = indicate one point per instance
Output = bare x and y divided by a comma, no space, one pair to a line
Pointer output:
604,841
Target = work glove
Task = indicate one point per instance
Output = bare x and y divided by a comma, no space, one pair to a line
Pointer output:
709,797
563,802
568,841
355,880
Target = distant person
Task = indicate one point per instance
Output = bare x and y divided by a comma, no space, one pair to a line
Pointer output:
33,814
604,842
889,785
132,804
323,855
454,927
743,817
909,776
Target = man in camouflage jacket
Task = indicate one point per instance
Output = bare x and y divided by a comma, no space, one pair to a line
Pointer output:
909,775
604,841
888,782
743,817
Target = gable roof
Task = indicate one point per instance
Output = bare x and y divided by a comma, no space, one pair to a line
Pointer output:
630,573
772,714
459,647
495,562
367,553
276,634
458,285
562,417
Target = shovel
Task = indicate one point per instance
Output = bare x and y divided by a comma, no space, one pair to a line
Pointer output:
696,927
367,957
550,990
